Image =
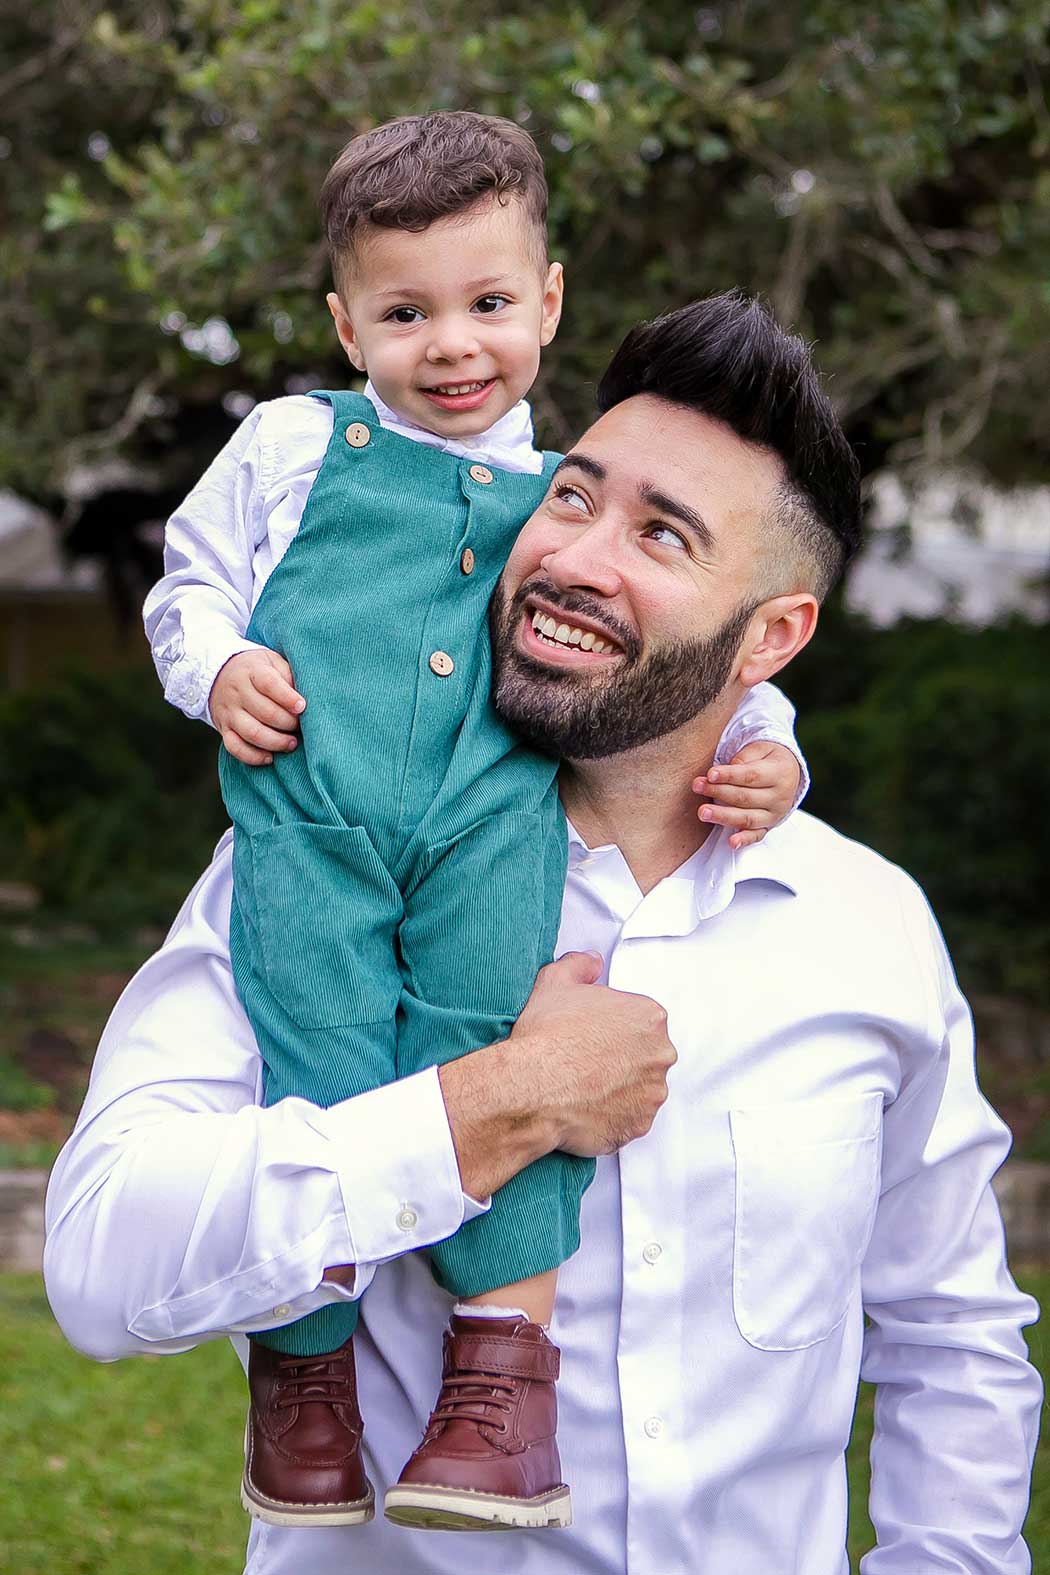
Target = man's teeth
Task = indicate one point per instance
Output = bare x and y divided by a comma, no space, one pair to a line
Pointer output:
566,634
458,388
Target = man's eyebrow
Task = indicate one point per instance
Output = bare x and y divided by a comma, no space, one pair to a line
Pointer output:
676,510
584,462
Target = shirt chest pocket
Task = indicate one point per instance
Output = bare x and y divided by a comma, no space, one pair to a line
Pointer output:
807,1186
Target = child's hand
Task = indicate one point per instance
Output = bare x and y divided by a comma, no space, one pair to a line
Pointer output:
255,706
755,792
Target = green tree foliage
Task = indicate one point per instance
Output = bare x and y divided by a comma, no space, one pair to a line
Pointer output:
880,172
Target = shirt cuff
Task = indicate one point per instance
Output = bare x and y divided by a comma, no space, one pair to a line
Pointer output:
397,1169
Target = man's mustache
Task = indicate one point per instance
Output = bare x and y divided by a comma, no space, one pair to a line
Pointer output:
577,602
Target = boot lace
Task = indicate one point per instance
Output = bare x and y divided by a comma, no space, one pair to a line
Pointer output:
473,1397
304,1379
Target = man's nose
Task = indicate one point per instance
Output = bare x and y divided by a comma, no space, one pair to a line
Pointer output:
451,340
587,561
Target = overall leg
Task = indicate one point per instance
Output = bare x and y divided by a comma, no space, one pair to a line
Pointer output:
481,919
314,954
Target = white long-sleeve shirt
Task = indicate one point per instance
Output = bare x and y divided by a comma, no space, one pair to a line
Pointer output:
824,1153
223,543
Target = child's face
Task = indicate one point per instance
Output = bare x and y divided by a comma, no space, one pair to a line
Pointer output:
449,322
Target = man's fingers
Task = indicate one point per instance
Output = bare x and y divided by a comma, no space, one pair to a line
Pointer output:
265,738
277,686
241,750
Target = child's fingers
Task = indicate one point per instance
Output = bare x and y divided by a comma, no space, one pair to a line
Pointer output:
269,712
744,839
265,738
740,797
736,776
274,683
240,750
736,819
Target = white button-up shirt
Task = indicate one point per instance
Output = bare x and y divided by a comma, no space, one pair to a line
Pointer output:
824,1153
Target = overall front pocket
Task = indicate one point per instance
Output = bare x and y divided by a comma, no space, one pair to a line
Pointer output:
807,1186
328,912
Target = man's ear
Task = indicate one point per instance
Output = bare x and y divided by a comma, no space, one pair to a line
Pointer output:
780,629
345,329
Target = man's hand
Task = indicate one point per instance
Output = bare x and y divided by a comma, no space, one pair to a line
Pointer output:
754,793
256,707
585,1070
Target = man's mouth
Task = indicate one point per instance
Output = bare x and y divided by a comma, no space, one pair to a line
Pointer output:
550,632
461,396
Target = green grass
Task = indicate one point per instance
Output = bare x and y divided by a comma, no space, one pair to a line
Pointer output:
132,1469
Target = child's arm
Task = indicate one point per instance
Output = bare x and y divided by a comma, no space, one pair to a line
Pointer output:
759,775
197,614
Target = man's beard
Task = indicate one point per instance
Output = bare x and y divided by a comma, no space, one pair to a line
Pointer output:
580,716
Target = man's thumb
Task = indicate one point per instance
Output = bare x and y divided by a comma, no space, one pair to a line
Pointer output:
576,968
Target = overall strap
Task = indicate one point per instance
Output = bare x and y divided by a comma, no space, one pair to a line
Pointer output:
347,406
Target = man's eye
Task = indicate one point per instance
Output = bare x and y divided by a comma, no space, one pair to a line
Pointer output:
573,497
665,533
491,303
404,314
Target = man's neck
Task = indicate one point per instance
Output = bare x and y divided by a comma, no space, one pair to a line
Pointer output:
643,800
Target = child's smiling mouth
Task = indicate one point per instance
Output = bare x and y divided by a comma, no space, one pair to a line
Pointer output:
460,396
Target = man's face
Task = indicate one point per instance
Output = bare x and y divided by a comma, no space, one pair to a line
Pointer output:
622,609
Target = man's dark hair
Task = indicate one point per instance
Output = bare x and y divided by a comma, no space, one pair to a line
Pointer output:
729,358
409,172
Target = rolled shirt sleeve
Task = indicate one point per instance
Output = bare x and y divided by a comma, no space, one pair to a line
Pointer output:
197,613
766,714
179,1210
957,1403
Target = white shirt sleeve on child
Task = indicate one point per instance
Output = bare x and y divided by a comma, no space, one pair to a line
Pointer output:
766,714
196,615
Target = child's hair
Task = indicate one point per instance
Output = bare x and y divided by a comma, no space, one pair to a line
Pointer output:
409,172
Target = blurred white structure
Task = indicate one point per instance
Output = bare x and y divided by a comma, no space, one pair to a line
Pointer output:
973,552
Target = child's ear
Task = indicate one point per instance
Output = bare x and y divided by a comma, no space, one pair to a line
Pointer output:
345,329
553,290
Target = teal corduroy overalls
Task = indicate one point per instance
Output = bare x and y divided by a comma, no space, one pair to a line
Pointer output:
398,878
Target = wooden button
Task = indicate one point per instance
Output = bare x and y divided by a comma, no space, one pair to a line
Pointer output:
466,563
358,435
441,663
481,473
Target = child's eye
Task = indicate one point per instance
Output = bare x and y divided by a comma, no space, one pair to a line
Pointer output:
491,303
404,314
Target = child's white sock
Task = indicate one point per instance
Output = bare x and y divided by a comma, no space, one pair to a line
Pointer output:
463,1311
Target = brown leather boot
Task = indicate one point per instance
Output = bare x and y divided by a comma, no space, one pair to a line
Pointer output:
489,1457
302,1444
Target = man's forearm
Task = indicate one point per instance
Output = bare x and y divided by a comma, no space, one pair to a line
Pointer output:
498,1125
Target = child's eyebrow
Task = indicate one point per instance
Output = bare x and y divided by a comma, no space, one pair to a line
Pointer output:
473,286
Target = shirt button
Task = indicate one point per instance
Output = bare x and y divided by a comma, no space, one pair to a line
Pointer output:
283,1311
441,663
654,1427
652,1252
466,563
408,1219
358,435
480,473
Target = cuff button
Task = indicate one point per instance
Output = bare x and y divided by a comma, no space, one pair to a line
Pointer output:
408,1219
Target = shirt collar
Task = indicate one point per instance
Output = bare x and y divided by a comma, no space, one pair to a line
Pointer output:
507,444
706,883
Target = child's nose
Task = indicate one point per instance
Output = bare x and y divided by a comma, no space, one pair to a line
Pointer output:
451,343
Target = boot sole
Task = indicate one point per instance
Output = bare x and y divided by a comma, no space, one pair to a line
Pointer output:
459,1509
277,1512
